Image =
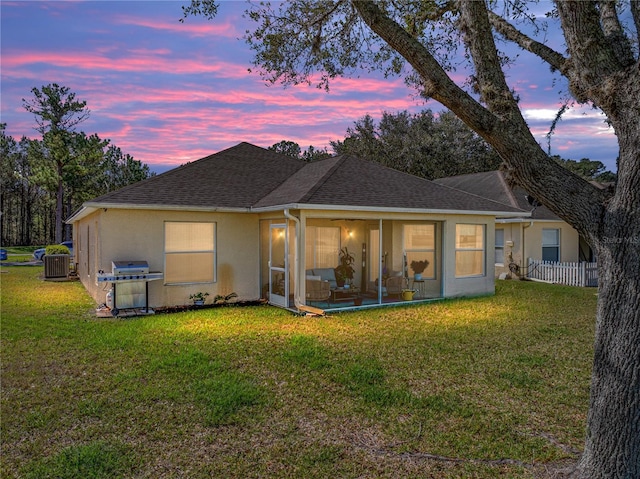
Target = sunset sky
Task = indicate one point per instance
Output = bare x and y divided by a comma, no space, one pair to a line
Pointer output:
167,92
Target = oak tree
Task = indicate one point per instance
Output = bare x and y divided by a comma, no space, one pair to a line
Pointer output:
314,42
292,149
425,145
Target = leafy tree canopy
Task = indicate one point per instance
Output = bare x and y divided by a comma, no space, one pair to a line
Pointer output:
59,171
426,145
293,150
591,170
56,108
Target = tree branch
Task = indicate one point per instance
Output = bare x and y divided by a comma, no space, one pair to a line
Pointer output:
508,31
618,41
550,179
592,56
635,13
609,18
477,34
436,82
501,124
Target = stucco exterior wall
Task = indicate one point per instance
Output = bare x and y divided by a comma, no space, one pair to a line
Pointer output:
473,285
569,240
125,235
527,242
512,246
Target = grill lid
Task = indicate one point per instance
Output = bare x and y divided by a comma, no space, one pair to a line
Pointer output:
129,267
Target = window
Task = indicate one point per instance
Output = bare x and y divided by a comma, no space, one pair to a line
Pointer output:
500,246
189,252
469,250
550,244
420,245
322,246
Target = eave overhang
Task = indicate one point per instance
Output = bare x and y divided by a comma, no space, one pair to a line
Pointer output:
90,207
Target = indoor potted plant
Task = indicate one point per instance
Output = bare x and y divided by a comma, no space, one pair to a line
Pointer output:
344,270
198,298
418,267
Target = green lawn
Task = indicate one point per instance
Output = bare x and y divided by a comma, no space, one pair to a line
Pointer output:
20,254
258,392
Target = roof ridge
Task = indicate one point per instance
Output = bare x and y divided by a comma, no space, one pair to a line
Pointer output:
285,180
475,194
507,189
337,160
247,177
342,159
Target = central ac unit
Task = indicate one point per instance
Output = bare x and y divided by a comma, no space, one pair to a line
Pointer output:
56,265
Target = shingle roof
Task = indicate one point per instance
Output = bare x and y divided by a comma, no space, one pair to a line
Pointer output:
237,177
493,185
346,180
250,177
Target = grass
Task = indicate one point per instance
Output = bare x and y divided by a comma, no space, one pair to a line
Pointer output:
96,460
258,392
20,254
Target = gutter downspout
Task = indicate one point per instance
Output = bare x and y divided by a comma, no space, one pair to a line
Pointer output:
525,266
296,280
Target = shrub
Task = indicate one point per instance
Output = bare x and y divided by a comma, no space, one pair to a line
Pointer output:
56,249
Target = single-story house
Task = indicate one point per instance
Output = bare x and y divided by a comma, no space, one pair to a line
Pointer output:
541,236
263,225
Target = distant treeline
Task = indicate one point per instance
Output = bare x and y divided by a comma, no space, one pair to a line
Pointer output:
42,182
29,187
427,145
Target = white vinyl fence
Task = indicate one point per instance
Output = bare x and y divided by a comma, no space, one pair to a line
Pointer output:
572,274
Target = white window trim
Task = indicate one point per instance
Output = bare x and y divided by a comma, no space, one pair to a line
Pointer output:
483,249
420,250
557,246
214,251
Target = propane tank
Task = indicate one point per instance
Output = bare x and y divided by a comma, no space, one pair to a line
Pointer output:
110,299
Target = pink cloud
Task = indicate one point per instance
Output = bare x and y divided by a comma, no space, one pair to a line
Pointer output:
167,92
191,27
140,61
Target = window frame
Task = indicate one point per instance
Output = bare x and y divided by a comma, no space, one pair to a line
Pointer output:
462,249
430,252
549,246
213,252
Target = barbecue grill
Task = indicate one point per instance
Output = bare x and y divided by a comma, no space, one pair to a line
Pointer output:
130,280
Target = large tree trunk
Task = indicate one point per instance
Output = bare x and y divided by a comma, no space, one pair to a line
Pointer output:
612,446
612,225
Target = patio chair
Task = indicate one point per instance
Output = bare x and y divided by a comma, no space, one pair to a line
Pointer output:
395,285
317,290
324,274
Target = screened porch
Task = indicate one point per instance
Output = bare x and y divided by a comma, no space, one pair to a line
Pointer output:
388,261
